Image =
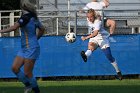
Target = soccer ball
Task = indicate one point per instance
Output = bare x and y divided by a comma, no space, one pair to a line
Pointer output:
70,37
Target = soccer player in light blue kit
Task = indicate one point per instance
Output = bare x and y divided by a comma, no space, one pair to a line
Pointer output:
30,49
98,37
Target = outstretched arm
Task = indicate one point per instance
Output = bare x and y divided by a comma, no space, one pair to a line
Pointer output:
12,28
95,33
106,3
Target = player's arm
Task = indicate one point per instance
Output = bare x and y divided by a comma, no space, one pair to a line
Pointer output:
23,20
106,3
95,33
40,32
12,28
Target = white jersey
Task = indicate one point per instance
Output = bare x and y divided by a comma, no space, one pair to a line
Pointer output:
101,39
97,6
97,25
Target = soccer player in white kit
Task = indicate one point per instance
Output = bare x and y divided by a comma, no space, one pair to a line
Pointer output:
99,6
98,37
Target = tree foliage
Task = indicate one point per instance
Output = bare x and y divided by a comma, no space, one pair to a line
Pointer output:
9,4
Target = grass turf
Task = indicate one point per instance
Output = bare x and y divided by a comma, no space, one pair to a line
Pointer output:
81,86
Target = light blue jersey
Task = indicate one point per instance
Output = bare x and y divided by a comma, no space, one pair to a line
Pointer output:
28,26
29,44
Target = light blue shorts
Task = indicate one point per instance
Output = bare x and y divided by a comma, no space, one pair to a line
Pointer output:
31,53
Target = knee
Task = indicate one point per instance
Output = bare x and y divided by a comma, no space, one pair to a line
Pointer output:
92,46
28,74
111,23
15,69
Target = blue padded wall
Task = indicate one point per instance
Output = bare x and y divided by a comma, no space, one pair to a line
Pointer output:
59,58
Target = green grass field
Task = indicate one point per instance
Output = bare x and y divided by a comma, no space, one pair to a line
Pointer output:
81,86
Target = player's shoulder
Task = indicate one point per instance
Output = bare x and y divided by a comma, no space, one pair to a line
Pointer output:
25,19
97,21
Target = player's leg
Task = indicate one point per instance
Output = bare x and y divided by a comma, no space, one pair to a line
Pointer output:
91,47
109,56
105,47
31,55
18,63
111,24
28,69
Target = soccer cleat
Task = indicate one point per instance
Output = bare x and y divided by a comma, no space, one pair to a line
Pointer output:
119,75
28,90
84,56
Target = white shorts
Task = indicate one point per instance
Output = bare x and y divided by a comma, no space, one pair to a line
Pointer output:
103,43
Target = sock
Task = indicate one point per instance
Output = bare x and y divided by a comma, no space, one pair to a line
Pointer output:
114,64
34,85
88,53
21,76
36,89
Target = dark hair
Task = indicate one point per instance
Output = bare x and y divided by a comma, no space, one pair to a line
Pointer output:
33,13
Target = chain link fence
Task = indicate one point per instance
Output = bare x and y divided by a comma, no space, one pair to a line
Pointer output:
56,22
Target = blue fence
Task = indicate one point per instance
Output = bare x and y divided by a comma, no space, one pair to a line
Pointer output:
59,58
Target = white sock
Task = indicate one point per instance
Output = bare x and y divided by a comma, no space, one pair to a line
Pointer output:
114,64
88,53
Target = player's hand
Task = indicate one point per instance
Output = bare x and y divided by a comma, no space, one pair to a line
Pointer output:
83,38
